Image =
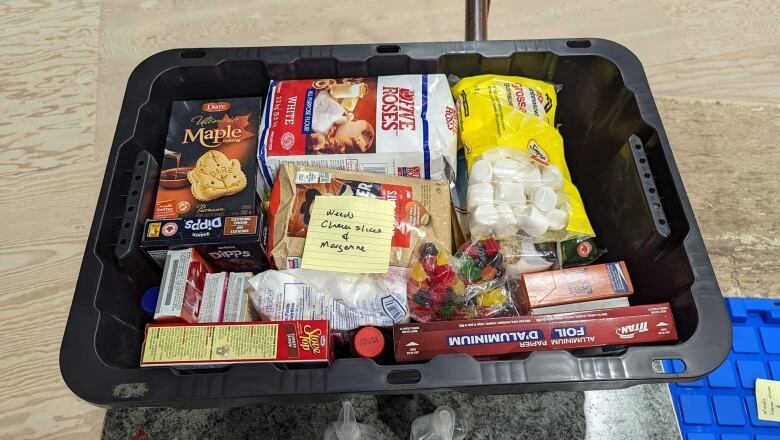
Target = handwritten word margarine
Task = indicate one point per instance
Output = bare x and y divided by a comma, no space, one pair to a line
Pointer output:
338,247
349,234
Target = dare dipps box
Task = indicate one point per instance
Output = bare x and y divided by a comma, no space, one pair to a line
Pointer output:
209,165
230,243
501,336
199,345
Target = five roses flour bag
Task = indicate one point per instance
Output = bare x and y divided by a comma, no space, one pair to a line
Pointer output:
403,125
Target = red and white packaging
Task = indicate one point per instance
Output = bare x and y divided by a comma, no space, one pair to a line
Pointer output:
401,125
501,336
209,345
182,287
212,306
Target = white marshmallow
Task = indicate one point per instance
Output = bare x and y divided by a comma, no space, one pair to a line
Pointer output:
532,221
563,201
481,171
506,169
552,177
494,154
506,224
516,206
479,194
558,219
544,198
532,180
482,220
510,192
526,167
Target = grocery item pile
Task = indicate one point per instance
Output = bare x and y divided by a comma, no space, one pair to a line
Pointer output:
271,252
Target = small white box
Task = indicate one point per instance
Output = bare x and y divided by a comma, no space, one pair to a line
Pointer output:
237,305
213,303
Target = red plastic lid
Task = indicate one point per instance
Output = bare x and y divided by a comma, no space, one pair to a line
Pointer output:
368,342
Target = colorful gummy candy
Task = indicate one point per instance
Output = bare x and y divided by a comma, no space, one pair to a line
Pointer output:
418,273
492,299
469,285
481,261
488,273
444,276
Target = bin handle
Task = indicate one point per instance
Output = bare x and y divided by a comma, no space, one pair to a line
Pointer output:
477,19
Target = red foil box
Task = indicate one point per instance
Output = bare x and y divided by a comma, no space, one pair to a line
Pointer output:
499,336
188,345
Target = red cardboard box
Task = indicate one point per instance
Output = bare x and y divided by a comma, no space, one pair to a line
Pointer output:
498,336
183,345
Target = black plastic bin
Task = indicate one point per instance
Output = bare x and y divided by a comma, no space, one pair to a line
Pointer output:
616,149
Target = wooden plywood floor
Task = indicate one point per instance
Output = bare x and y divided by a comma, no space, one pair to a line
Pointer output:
714,66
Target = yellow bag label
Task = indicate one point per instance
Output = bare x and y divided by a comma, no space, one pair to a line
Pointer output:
518,113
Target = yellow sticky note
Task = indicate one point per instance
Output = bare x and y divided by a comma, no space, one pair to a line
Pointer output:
768,399
349,234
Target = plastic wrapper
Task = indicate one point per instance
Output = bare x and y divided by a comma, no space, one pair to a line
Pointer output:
579,251
347,301
347,427
519,183
443,424
468,285
523,256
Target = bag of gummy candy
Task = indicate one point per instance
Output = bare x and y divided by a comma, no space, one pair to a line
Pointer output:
519,182
433,283
468,285
482,267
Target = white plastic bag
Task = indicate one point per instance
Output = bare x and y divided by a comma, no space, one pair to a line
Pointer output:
360,300
354,290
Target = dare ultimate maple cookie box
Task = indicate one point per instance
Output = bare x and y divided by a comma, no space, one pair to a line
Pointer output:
207,192
209,167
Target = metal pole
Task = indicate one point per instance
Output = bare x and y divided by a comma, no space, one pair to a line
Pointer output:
477,19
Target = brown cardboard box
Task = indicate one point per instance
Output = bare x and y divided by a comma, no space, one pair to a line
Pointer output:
566,286
422,209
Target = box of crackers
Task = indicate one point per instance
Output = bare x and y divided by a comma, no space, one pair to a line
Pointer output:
209,166
643,324
207,345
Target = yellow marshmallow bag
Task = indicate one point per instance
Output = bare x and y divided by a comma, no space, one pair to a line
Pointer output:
519,183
